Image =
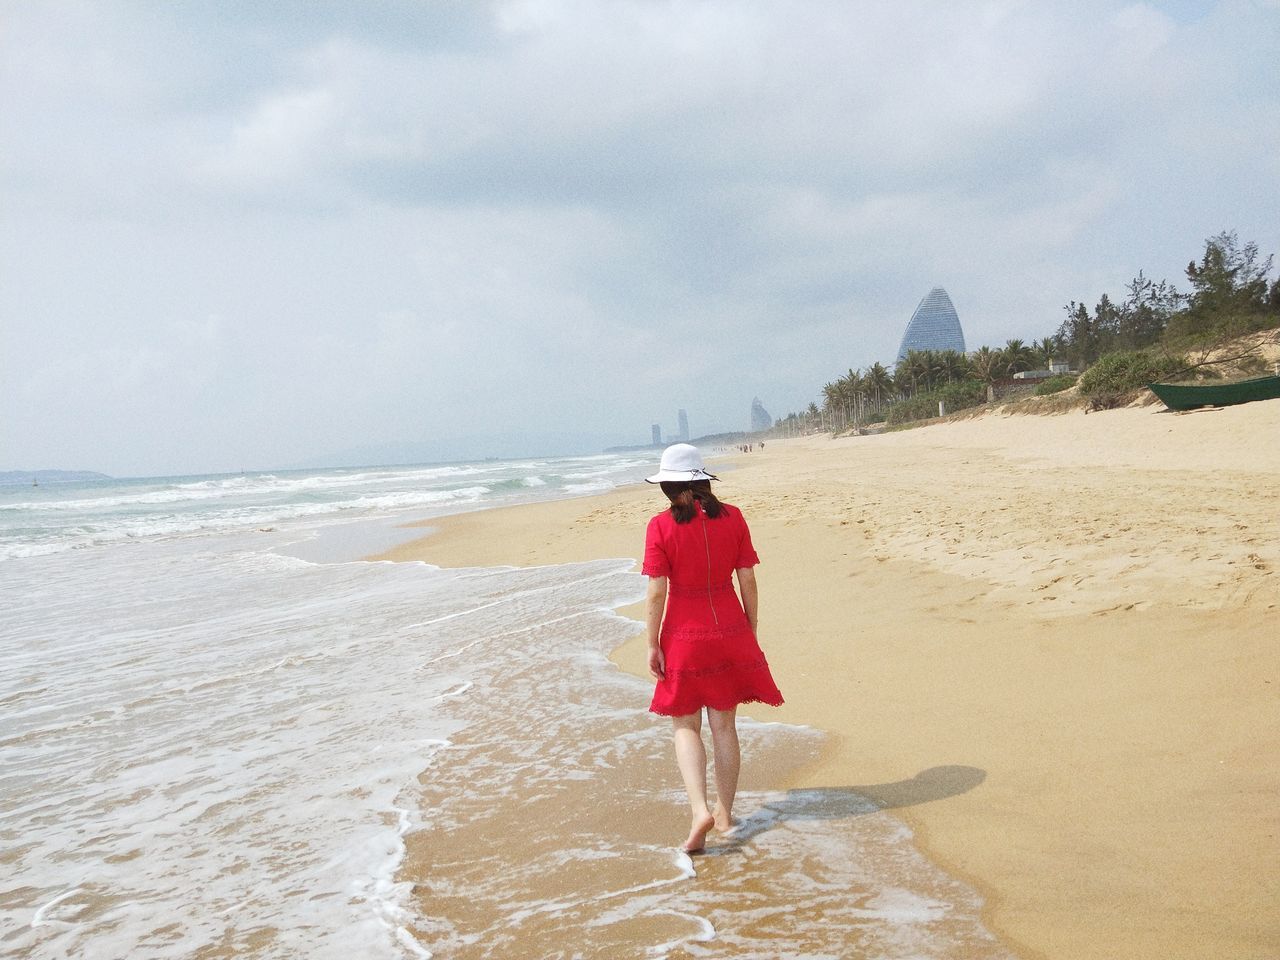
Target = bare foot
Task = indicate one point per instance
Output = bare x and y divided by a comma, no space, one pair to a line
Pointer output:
701,826
724,822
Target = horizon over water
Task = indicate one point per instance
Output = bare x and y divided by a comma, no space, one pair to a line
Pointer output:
224,734
73,514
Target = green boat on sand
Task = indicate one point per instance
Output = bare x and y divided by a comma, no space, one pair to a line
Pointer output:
1188,396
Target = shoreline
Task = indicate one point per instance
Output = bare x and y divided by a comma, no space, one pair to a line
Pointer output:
1068,616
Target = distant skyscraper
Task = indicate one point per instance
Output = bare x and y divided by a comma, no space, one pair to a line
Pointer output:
657,434
934,326
760,419
683,419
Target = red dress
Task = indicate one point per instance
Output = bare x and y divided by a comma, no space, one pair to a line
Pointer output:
711,654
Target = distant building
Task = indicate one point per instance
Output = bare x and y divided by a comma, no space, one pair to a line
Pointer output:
934,326
657,434
683,419
760,419
1056,368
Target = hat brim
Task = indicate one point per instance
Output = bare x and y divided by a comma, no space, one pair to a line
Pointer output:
680,476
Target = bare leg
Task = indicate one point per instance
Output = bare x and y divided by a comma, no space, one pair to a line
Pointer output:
724,743
691,757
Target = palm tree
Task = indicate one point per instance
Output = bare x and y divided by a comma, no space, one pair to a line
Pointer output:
859,390
913,369
831,397
901,379
1046,350
844,398
954,366
986,365
1017,356
935,368
901,383
879,382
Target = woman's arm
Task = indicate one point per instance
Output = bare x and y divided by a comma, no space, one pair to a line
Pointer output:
750,596
655,603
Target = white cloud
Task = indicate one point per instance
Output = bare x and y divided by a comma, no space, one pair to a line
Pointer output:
1142,30
286,136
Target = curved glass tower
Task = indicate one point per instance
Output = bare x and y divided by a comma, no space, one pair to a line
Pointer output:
934,326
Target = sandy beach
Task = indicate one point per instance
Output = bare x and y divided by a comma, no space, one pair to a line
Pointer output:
1049,644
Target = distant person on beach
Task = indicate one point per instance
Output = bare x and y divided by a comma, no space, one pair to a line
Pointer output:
703,650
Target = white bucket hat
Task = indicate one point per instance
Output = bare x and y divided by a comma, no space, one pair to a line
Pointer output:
681,462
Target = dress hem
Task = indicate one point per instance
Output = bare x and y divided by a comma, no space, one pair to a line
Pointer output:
737,703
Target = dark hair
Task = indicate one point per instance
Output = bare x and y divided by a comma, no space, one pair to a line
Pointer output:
682,494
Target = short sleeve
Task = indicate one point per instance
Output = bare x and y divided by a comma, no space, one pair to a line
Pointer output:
747,556
656,561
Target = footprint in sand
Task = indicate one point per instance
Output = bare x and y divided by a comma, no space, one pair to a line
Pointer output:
1118,608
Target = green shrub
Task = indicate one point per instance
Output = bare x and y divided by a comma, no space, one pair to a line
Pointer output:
920,407
1127,370
1056,384
963,393
957,395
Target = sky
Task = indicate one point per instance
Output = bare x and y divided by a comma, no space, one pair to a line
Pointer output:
243,235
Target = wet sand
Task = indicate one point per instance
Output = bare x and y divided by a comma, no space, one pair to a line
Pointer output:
1049,644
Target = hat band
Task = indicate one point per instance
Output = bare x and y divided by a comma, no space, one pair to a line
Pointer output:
680,476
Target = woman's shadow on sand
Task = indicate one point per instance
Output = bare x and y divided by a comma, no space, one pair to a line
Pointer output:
838,803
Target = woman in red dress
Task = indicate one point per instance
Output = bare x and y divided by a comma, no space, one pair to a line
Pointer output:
702,640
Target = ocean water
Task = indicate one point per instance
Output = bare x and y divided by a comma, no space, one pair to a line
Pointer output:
62,516
214,745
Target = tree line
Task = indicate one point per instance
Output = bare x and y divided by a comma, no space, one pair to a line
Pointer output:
1147,332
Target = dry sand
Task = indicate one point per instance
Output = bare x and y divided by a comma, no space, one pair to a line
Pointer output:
1082,609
